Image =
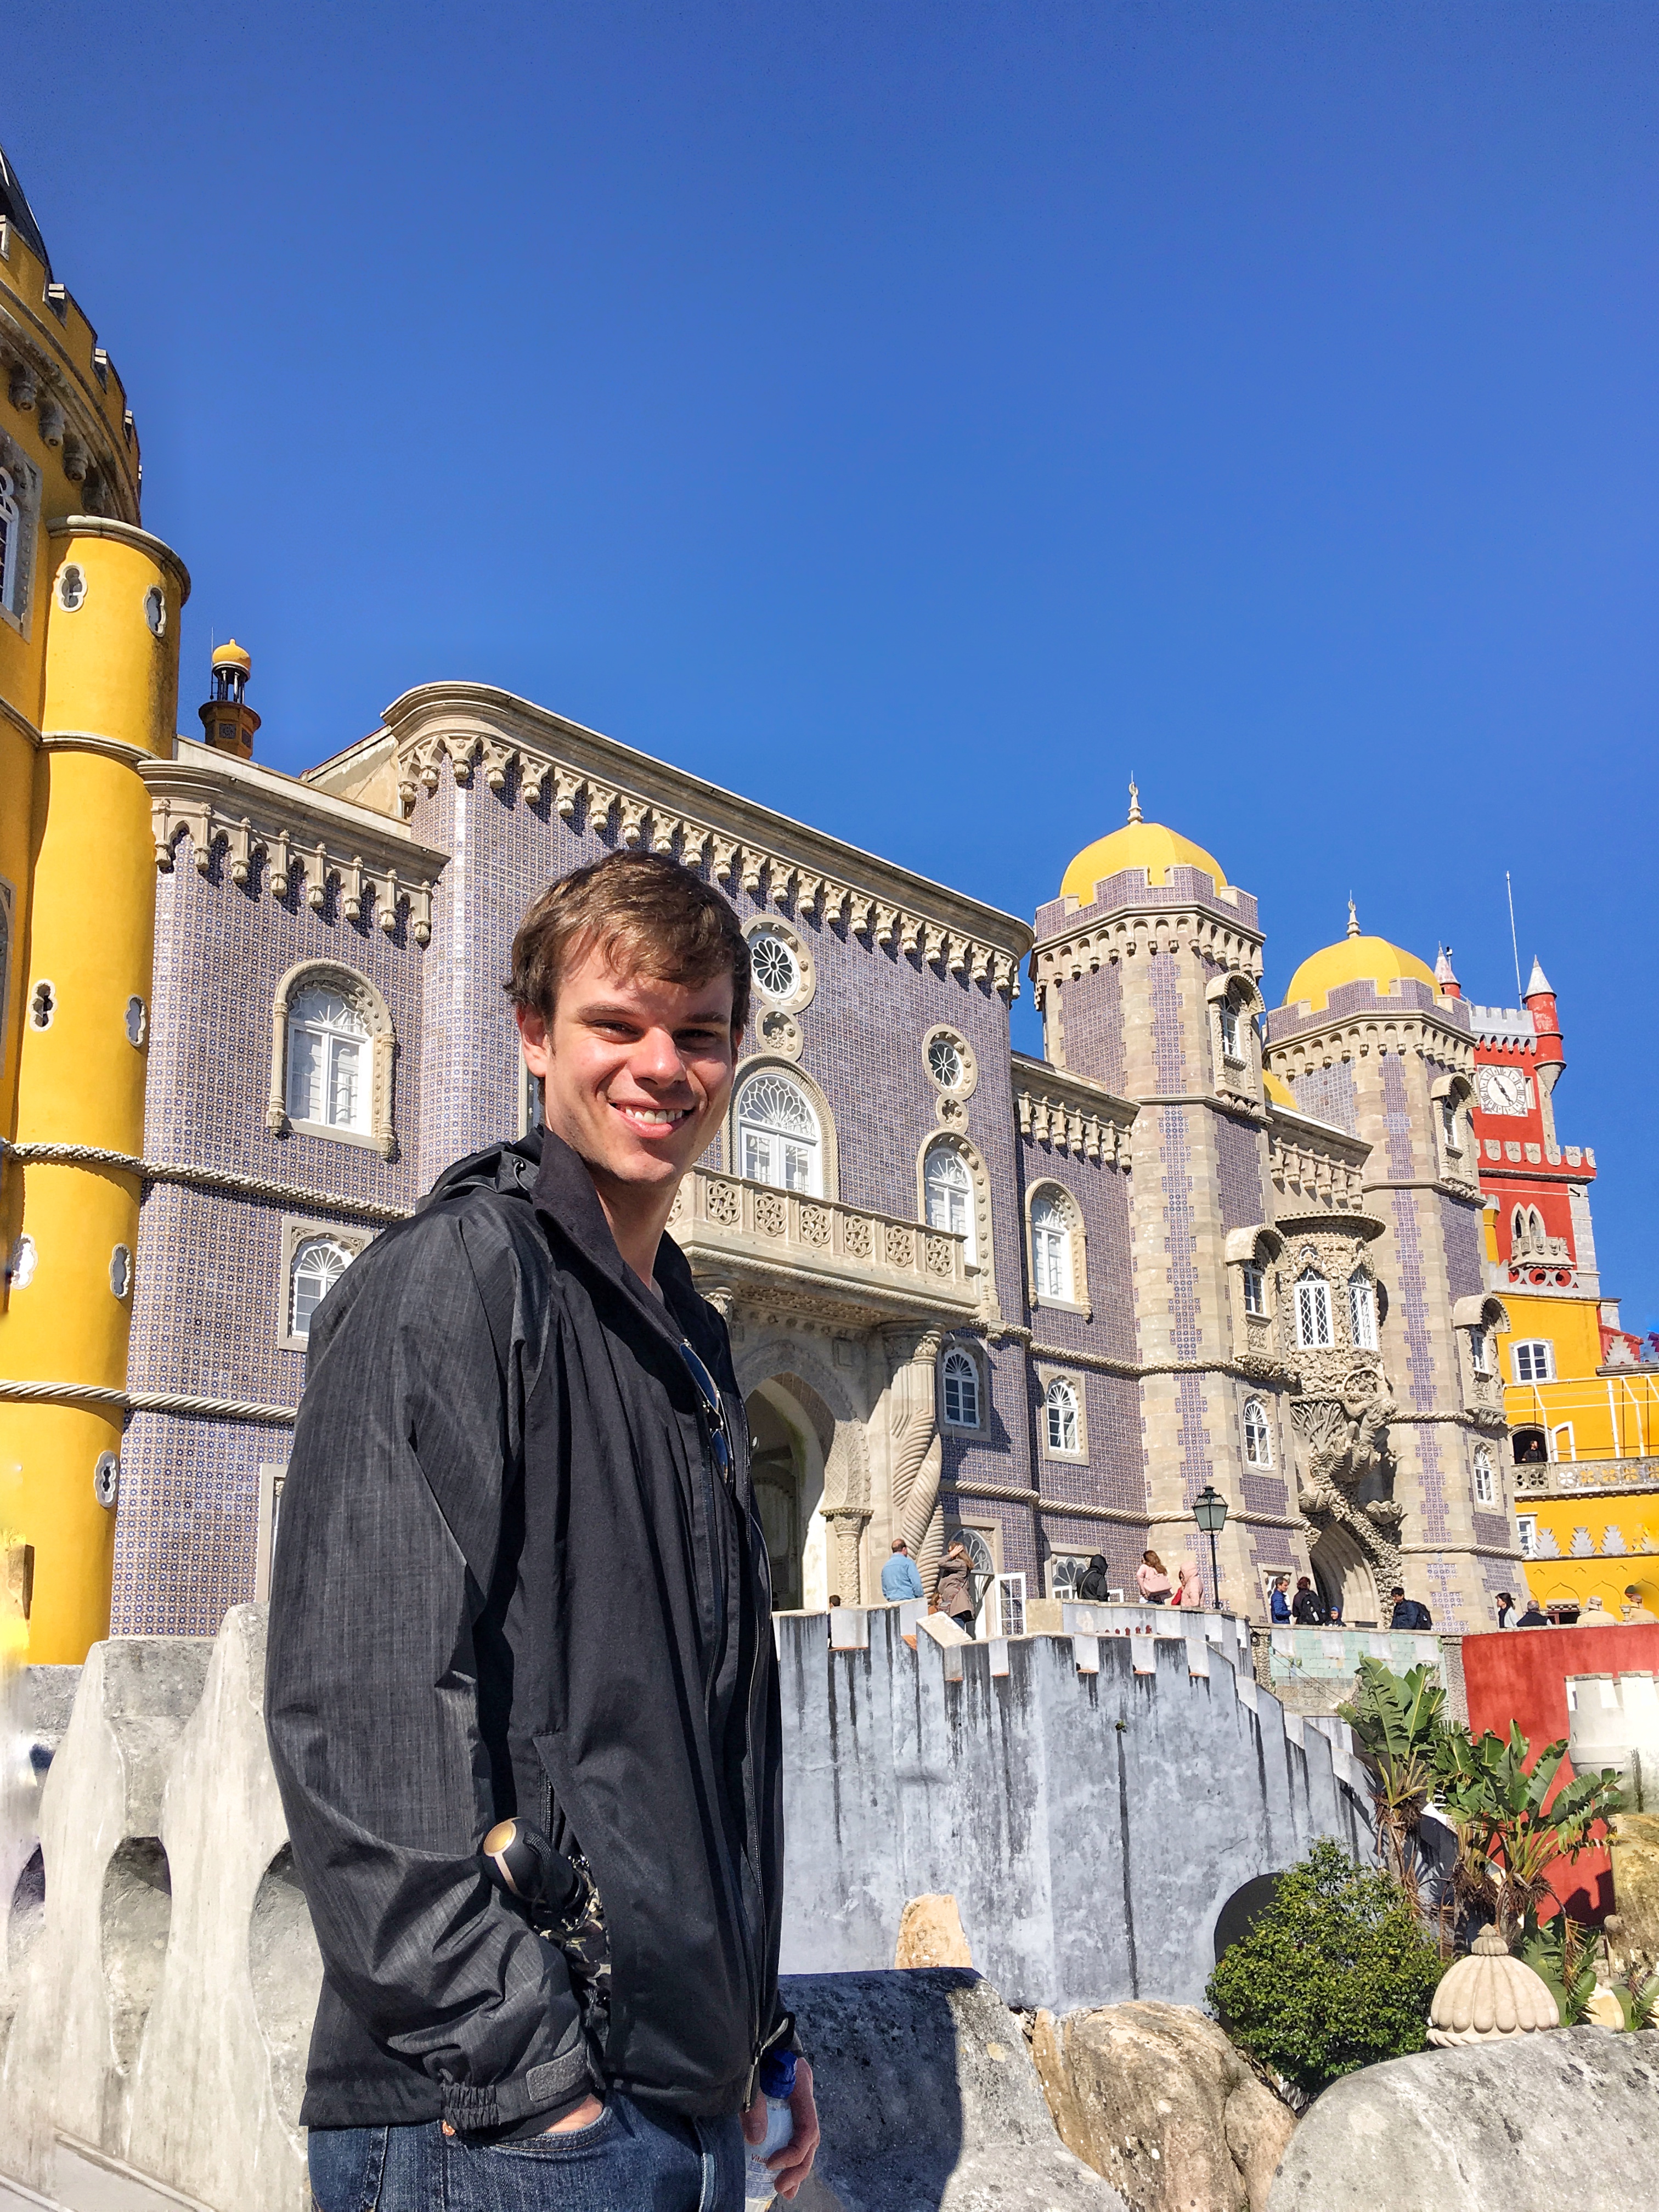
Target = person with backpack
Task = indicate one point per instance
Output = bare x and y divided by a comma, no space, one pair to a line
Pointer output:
1408,1612
1307,1607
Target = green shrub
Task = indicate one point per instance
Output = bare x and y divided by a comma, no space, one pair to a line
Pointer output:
1335,1975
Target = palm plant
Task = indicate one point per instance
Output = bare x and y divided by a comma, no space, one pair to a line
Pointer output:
1561,1951
1509,1834
1398,1723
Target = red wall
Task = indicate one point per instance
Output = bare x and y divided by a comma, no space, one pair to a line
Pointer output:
1521,1675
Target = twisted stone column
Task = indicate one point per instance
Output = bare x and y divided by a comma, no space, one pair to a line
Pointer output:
847,1527
912,1428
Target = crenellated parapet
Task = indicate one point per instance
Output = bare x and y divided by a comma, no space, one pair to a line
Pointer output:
259,821
529,756
1069,1113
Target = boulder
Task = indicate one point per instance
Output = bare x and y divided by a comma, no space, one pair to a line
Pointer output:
927,2098
930,1934
1635,1849
1156,2100
1529,2125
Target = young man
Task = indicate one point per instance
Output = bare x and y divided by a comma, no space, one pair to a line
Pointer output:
1408,1612
520,1576
1279,1602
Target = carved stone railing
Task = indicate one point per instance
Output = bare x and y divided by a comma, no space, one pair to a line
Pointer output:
760,1239
1555,1477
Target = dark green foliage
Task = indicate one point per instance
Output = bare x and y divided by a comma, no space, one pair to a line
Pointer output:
1562,1951
1336,1974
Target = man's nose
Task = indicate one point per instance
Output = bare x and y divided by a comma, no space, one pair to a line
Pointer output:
657,1058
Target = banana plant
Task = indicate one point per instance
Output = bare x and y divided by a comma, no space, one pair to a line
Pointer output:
1398,1723
1509,1835
1561,1951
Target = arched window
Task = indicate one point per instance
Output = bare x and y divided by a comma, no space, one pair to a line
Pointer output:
774,966
950,1192
959,1374
1313,1310
328,1065
1258,1437
11,540
1485,1477
1232,1040
1362,1310
1051,1247
779,1141
1534,1360
1060,1410
318,1265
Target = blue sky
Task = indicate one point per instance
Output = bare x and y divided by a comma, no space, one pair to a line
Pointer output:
916,417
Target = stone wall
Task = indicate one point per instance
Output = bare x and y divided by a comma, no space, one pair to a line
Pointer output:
1091,1802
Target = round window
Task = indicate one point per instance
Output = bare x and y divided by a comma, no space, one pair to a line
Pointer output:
773,963
946,1063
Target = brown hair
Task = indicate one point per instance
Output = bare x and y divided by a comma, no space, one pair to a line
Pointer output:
1153,1560
647,914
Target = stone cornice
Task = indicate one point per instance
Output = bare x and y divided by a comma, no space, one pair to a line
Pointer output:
660,808
302,834
127,533
1070,1113
38,342
1094,938
1321,1039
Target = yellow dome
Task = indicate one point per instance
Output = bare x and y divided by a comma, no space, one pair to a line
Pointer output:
1138,844
1277,1090
231,655
1356,959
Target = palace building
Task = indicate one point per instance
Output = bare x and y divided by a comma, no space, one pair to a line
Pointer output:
249,1017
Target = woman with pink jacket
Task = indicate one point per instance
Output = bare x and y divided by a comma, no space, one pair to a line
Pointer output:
1152,1579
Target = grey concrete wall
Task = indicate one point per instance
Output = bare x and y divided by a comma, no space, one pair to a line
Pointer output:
1091,1802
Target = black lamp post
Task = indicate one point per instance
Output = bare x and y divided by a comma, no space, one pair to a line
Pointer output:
1210,1512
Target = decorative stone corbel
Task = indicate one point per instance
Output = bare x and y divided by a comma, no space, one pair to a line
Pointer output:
52,423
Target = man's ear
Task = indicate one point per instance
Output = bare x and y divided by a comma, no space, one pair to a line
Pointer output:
533,1040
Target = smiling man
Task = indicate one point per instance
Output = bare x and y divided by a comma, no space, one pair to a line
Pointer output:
520,1579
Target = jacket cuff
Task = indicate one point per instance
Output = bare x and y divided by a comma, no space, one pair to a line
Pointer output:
553,2087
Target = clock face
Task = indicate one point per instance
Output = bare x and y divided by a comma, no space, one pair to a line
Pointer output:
1503,1090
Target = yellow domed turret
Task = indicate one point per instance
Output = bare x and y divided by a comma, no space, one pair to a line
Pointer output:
1277,1090
1138,844
227,720
1356,959
231,655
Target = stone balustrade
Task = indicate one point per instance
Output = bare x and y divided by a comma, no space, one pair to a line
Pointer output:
757,1238
1557,1478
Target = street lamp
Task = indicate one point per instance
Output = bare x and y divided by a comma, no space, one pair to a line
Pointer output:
1210,1512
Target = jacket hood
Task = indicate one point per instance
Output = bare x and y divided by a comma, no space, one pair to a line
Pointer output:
503,1167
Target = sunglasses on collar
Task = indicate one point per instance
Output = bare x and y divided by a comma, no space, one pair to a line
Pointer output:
713,1404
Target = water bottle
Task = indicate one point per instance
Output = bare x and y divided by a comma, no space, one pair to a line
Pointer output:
777,2082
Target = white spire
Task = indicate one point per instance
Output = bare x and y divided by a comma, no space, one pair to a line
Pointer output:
1538,980
1134,797
1443,967
1353,918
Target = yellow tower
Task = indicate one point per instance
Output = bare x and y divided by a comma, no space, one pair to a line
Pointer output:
88,693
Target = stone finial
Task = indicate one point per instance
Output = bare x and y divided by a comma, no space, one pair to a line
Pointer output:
1353,918
1134,797
1489,1996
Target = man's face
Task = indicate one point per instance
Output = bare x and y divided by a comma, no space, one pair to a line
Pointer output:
636,1071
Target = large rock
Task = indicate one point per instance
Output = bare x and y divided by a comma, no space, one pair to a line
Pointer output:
1155,2098
1635,1847
1539,2123
929,2101
931,1933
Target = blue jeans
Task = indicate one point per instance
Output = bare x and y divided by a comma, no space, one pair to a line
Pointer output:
625,2162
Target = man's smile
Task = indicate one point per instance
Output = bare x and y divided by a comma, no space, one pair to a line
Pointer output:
652,1117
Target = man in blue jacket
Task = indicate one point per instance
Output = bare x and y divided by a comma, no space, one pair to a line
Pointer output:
899,1578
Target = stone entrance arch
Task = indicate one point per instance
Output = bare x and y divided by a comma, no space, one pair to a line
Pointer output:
1344,1574
786,1462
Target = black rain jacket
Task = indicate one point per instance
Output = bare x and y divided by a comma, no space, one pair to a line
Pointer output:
509,1580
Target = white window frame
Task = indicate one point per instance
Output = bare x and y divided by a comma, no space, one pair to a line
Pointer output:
330,1037
1522,1355
1062,1405
1526,1534
1362,1310
1480,1353
753,1135
1256,1290
323,1240
946,1192
955,1360
374,1128
1313,1311
1053,1274
11,521
1258,1434
1064,1569
1554,1438
1485,1477
1233,1049
299,1232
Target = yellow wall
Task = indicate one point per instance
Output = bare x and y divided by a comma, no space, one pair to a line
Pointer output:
1634,1518
86,694
1613,1417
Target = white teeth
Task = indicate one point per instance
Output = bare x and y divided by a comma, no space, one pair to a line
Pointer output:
653,1115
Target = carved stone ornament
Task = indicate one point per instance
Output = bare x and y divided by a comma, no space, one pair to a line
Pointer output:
1489,1996
1345,1470
779,1032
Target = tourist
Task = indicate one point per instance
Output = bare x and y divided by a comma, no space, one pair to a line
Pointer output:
1307,1609
1408,1612
1595,1614
899,1578
834,1598
1188,1591
1533,1618
1278,1599
516,1528
1093,1585
1633,1608
1505,1610
1152,1579
953,1594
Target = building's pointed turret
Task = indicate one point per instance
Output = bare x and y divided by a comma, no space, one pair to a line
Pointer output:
1450,987
1538,980
15,210
227,719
